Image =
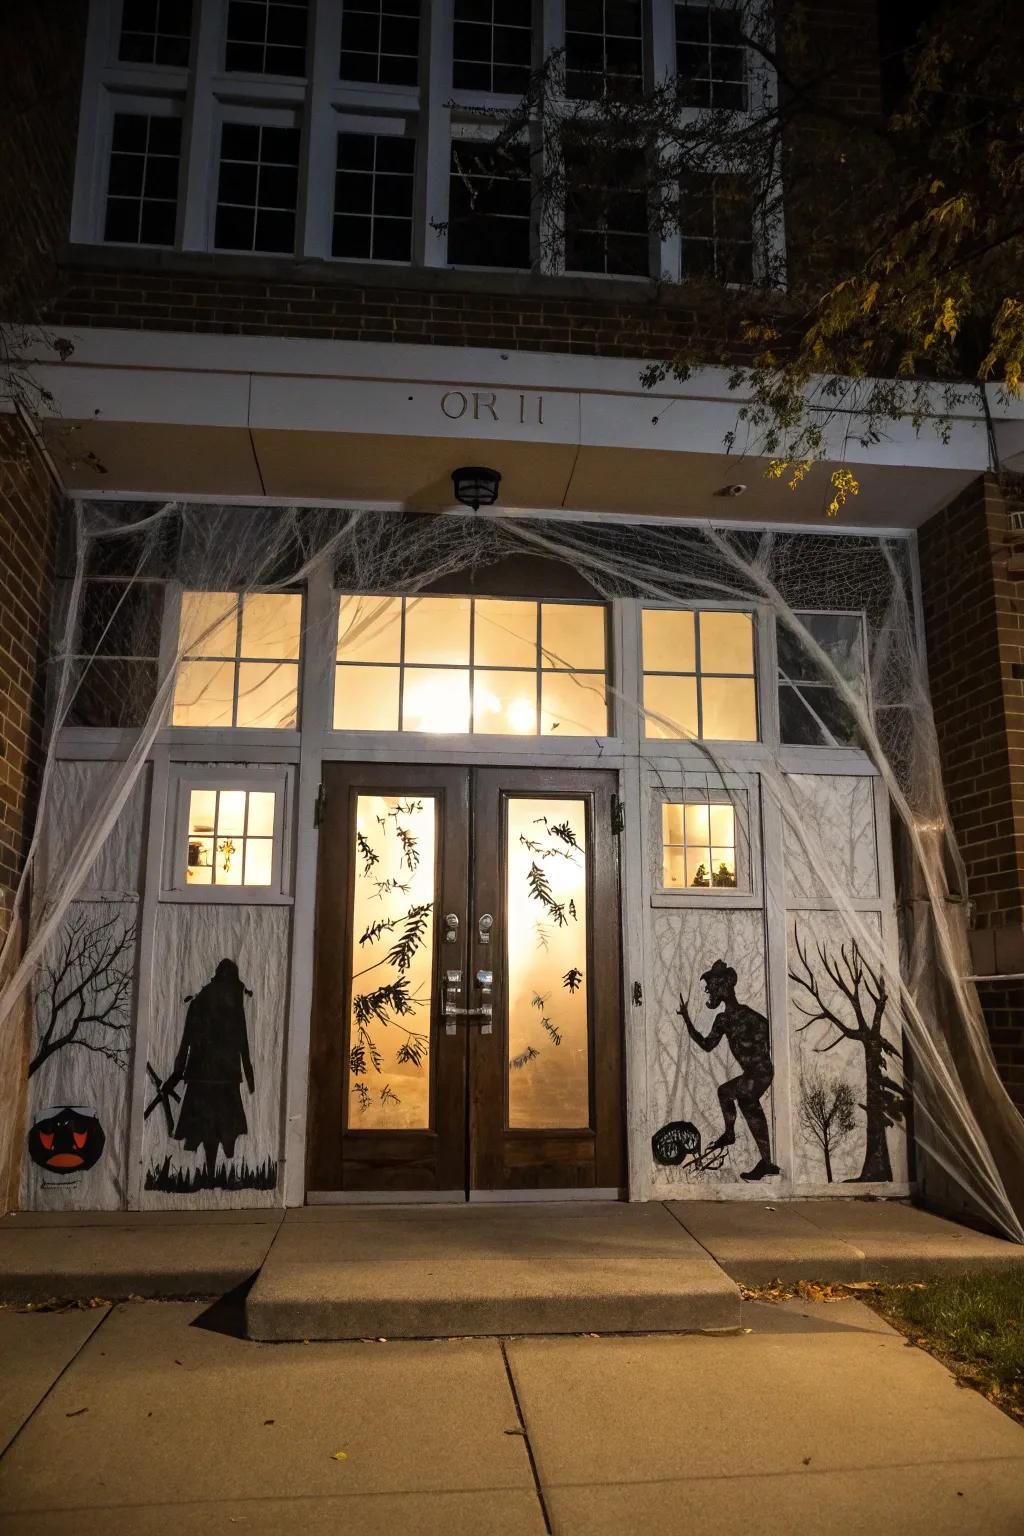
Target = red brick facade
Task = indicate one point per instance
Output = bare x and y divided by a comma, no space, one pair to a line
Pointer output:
974,619
541,317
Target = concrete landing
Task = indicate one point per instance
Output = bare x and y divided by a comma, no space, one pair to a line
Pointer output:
838,1240
429,1271
73,1255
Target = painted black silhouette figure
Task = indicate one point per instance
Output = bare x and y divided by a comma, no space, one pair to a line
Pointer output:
212,1059
749,1039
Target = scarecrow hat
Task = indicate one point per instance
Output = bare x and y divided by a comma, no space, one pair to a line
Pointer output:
720,972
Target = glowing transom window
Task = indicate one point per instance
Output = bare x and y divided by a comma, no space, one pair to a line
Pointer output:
699,678
453,665
230,837
698,846
240,663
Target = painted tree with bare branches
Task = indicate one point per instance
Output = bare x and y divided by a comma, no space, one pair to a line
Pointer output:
84,995
856,1013
827,1106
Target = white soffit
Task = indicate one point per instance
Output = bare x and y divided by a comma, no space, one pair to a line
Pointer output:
174,414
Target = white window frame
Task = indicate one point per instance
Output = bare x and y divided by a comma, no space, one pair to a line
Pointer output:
401,741
183,779
767,722
821,746
691,787
205,94
255,736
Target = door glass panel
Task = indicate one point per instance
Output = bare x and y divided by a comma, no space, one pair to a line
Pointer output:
392,962
546,964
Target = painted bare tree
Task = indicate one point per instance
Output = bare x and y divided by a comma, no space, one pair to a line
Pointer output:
856,1014
827,1105
84,994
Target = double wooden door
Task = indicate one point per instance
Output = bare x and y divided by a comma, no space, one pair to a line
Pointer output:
467,1017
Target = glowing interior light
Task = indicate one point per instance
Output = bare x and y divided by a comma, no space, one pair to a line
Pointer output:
437,705
522,716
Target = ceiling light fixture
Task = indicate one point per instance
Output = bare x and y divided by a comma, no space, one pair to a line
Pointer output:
476,486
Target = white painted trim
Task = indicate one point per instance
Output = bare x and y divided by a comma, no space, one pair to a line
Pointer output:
144,989
321,624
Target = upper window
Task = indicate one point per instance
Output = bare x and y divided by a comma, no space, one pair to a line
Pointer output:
604,47
258,188
240,660
321,129
452,665
606,228
699,676
266,37
811,712
142,188
493,46
489,206
156,32
717,219
711,59
373,191
380,41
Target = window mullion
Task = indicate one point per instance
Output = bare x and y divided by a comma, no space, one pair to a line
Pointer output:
197,137
435,139
319,140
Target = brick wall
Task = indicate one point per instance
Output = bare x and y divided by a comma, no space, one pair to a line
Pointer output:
41,45
974,619
28,524
217,299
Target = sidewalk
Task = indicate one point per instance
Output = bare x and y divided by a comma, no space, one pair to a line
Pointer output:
143,1418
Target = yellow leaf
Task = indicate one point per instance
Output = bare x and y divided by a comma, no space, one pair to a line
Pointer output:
339,1455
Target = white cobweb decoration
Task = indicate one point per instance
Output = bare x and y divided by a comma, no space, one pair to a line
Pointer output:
107,669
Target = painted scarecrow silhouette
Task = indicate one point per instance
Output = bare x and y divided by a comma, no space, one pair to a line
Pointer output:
212,1060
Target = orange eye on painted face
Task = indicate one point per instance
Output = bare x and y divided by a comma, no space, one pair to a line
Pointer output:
46,1137
79,1138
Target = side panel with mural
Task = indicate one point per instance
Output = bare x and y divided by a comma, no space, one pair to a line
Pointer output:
213,1073
849,1102
83,1007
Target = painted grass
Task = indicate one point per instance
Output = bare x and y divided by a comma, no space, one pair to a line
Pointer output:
973,1323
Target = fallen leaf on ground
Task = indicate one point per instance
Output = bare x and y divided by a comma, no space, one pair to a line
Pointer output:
339,1455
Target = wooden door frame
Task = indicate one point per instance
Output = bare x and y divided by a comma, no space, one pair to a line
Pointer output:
332,1151
592,1157
334,1169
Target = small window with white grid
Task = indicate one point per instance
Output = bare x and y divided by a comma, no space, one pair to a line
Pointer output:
142,179
266,37
227,834
711,58
373,195
257,190
380,41
156,32
493,46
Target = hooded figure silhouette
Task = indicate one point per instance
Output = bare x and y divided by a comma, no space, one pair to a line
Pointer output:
212,1059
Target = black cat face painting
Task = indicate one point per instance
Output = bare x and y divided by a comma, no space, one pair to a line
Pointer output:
66,1139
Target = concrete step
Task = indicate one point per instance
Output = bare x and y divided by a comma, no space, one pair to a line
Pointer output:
428,1271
